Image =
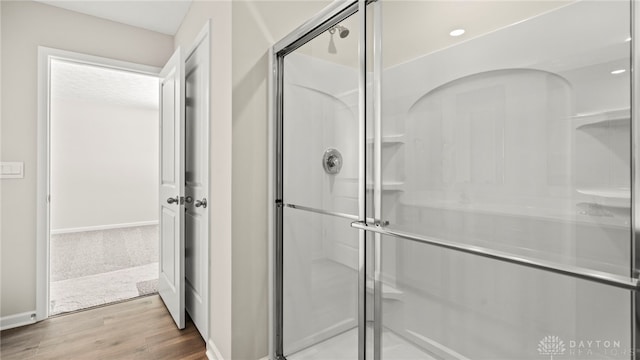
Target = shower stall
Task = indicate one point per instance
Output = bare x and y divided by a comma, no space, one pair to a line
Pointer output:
456,180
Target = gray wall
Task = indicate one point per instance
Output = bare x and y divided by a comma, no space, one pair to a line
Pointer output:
93,162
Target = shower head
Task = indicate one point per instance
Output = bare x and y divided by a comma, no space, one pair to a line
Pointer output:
342,31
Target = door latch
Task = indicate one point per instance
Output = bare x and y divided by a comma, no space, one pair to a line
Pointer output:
175,200
178,200
202,203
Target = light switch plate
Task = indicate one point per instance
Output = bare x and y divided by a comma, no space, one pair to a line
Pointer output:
11,170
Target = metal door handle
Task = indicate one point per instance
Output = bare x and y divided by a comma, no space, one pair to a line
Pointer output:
202,203
173,200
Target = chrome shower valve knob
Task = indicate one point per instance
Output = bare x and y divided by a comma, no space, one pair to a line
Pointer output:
332,161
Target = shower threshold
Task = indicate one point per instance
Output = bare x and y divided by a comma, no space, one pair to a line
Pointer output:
345,346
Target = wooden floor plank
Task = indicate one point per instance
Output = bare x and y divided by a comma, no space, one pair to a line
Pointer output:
140,329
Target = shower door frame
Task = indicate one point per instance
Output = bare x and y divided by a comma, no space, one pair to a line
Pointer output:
328,17
635,177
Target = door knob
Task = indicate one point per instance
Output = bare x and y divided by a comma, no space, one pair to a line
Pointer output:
202,203
173,200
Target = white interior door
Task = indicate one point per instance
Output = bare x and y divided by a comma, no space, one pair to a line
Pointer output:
197,185
172,170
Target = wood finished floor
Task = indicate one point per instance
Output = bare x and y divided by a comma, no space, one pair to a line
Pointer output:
138,329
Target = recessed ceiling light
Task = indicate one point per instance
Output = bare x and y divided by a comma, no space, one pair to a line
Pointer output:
628,39
619,71
457,32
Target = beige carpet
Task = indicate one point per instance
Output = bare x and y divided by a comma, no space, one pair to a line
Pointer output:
98,267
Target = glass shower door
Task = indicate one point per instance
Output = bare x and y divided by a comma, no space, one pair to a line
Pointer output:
320,162
504,129
498,147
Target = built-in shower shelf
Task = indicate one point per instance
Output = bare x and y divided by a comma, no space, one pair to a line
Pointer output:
618,117
613,197
389,186
388,291
389,140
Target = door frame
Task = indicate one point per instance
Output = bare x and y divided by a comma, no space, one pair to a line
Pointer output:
203,39
43,230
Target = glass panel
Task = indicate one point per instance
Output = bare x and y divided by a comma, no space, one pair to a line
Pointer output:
440,304
320,121
514,135
320,172
320,286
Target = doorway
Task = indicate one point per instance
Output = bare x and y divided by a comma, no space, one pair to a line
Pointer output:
187,262
104,147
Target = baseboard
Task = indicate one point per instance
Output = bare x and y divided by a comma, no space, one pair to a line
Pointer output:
212,351
13,321
103,227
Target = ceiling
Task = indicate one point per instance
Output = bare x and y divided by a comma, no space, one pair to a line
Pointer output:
80,82
414,28
163,16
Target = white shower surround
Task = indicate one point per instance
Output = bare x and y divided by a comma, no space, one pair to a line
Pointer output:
327,242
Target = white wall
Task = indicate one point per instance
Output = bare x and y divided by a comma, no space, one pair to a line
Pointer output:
25,26
104,164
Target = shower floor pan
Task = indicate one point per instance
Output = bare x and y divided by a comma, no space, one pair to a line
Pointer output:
344,346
